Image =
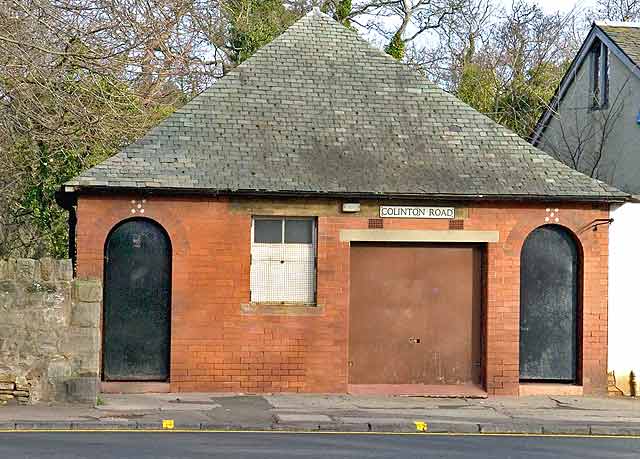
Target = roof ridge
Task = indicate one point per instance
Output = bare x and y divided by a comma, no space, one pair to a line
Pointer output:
633,24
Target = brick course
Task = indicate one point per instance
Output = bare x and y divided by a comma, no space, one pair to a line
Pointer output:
218,344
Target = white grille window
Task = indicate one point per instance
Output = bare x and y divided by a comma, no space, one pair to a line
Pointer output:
283,260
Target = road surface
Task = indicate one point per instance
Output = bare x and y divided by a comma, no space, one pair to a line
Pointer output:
99,445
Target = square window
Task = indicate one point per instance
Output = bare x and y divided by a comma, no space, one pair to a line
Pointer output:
267,231
298,231
283,260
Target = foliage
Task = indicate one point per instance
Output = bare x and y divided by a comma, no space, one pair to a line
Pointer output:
509,65
343,11
253,24
395,48
79,79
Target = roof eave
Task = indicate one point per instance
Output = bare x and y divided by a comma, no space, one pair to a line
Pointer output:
618,197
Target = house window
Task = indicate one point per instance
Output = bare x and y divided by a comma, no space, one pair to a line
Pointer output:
599,87
283,260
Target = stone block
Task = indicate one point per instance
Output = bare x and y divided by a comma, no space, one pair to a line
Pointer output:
21,393
8,294
59,370
33,297
7,377
54,316
25,269
3,269
87,362
80,340
7,386
5,397
10,269
86,315
87,291
47,339
65,270
47,269
82,389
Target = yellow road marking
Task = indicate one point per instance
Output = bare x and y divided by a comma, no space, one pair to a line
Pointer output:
321,432
421,426
168,424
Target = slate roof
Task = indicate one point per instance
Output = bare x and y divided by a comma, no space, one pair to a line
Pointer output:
320,111
626,36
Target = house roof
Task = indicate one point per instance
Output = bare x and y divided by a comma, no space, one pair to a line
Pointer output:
626,35
320,111
621,38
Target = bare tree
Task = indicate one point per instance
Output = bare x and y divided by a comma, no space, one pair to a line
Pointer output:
78,80
401,22
616,10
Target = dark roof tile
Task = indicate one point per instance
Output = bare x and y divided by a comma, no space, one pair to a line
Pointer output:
319,110
627,37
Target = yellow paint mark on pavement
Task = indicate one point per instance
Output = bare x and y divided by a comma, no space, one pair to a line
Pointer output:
167,424
421,426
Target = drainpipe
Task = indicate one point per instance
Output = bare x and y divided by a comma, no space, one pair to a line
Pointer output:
67,198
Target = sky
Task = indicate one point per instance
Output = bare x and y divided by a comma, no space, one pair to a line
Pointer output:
564,6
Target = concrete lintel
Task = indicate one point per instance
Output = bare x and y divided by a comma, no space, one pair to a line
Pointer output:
379,235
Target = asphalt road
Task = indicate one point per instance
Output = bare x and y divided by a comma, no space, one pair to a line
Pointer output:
71,445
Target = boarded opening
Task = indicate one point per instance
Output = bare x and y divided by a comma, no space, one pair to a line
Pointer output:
415,314
549,267
137,284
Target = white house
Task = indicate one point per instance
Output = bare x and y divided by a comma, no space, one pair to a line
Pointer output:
593,125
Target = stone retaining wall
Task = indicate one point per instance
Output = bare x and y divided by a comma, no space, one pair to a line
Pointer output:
49,332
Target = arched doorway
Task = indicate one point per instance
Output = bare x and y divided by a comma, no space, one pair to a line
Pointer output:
137,302
549,289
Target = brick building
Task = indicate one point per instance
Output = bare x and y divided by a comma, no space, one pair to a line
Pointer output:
323,219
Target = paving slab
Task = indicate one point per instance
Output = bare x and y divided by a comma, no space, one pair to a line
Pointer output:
285,418
452,427
613,429
88,425
45,412
43,425
159,402
511,428
377,421
566,429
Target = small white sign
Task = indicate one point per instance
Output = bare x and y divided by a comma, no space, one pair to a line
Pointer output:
417,212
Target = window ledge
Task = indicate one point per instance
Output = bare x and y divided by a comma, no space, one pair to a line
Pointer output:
282,309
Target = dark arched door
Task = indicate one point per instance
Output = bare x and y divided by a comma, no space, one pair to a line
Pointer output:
137,300
549,265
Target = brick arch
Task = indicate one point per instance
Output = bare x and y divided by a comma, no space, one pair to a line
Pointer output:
572,236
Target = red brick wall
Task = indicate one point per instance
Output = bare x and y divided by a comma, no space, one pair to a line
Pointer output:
214,347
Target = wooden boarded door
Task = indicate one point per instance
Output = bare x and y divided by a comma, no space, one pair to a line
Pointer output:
549,306
415,314
137,303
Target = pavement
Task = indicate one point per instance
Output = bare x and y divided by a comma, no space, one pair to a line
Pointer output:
338,413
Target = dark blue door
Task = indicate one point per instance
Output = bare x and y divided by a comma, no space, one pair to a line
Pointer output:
137,303
549,306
